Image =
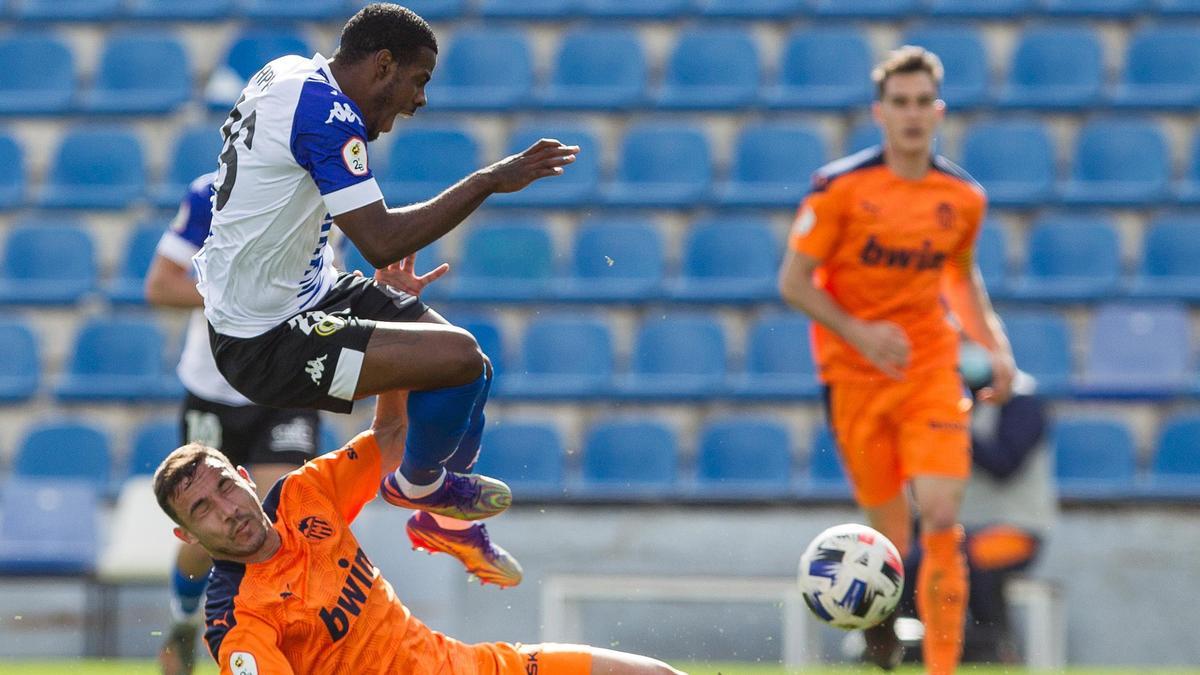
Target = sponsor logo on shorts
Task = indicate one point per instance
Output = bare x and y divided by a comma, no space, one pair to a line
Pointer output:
531,664
948,426
295,435
314,528
316,369
319,322
243,663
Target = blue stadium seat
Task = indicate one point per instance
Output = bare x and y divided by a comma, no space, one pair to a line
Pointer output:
1059,67
616,259
39,77
127,287
425,161
47,263
961,49
662,165
1119,163
249,51
711,68
771,165
1187,190
826,68
1094,458
1170,267
597,68
779,362
1041,343
728,260
1162,69
635,9
173,10
862,136
13,182
1013,160
118,359
1175,468
752,9
579,185
744,457
67,10
48,527
677,356
865,9
1072,258
482,69
62,450
826,477
1174,8
431,10
527,455
329,439
20,369
152,442
978,8
140,74
564,356
1106,9
1138,351
991,255
504,260
292,10
630,458
195,153
95,168
527,9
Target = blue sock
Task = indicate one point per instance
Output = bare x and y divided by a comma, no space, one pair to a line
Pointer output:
468,448
187,592
437,420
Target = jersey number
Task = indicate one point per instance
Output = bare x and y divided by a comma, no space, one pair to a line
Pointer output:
203,427
227,173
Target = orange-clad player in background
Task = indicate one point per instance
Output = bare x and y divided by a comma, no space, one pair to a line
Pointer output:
883,238
292,590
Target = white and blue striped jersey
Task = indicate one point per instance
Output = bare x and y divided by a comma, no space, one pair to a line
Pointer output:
197,370
295,156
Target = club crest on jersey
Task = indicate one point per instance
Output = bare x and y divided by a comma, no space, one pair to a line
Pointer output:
243,663
341,112
314,528
354,154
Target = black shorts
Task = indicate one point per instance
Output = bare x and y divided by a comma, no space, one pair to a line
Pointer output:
251,434
313,359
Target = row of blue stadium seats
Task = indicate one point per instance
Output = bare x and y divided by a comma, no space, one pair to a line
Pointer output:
1131,351
711,68
622,258
328,10
1121,162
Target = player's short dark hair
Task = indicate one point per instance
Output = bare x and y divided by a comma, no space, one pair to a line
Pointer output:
178,469
385,25
907,59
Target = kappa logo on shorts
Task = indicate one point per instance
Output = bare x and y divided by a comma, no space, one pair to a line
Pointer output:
314,528
243,663
319,322
316,369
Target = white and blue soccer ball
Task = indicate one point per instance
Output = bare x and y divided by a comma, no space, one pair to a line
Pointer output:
851,576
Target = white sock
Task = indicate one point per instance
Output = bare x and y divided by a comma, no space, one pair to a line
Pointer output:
417,491
178,616
448,523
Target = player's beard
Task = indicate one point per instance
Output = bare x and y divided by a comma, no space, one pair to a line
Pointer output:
233,546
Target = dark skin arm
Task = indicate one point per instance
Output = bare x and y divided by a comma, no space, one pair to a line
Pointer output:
385,236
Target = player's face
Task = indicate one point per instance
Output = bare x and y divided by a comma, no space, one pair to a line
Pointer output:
220,510
909,112
402,93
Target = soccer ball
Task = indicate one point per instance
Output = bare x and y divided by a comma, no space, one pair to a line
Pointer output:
851,576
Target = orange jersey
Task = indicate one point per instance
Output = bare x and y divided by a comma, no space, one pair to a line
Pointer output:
884,243
319,606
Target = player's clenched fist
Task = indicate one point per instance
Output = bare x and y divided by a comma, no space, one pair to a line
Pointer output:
545,158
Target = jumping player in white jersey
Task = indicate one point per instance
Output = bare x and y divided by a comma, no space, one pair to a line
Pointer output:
287,330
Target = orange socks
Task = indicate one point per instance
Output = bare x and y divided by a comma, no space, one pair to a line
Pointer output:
942,598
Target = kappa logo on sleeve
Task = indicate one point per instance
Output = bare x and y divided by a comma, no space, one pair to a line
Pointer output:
354,154
341,112
243,663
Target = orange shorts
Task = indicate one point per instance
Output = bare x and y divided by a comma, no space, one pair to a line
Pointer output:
888,432
502,658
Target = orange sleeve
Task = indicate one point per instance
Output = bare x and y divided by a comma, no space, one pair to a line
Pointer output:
818,222
349,476
250,649
963,255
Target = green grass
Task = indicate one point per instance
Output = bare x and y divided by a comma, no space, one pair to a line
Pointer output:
146,667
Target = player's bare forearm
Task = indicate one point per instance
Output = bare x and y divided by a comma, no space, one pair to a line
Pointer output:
967,296
168,284
390,426
799,292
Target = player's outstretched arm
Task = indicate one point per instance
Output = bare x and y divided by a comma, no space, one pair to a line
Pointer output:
169,284
385,235
965,292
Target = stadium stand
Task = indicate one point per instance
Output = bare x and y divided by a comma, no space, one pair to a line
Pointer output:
13,184
778,360
47,262
767,160
964,58
574,189
1094,458
991,254
67,10
1054,68
61,450
1175,468
20,370
484,69
824,69
152,442
1041,342
662,165
711,68
826,477
865,9
634,9
1119,163
505,260
291,10
196,149
563,357
1170,265
676,356
710,274
744,458
1160,70
95,168
40,77
1138,351
630,457
1072,258
126,287
424,161
750,9
616,259
600,68
1013,159
527,455
172,10
979,9
118,359
48,527
140,74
